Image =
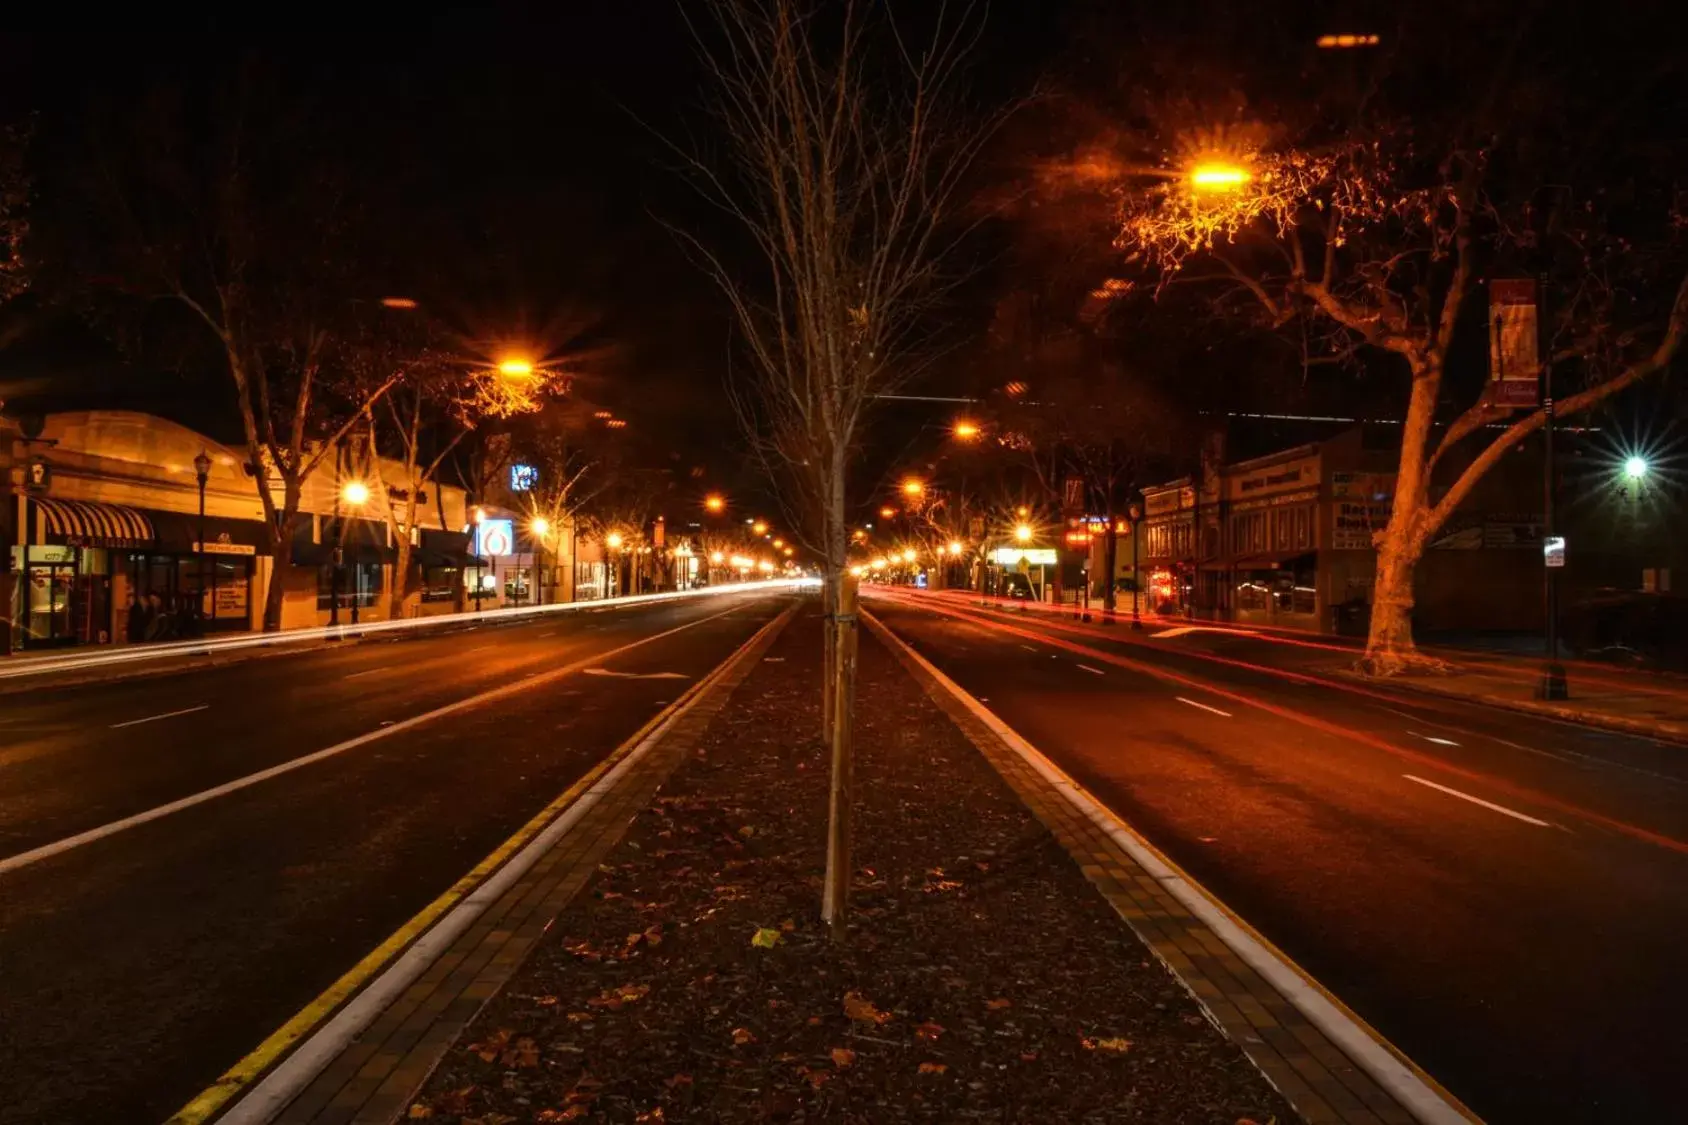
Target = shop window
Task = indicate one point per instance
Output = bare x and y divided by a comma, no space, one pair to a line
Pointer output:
441,583
360,585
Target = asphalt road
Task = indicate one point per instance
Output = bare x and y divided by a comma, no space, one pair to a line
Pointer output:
1504,897
136,967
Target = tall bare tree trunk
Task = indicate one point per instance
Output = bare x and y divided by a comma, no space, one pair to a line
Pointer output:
1389,641
401,574
836,897
829,627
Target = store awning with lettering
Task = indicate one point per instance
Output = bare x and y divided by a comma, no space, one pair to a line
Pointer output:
93,523
178,533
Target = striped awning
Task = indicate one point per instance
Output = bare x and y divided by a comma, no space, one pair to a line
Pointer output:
92,523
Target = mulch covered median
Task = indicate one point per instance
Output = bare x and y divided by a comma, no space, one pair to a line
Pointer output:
983,977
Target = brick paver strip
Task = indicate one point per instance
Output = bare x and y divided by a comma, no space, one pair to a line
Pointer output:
374,1079
1315,1075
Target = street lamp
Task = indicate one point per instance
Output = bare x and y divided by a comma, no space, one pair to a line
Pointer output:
908,554
759,527
1023,533
1636,468
539,527
1135,511
479,517
715,503
955,547
202,473
612,542
515,368
355,493
914,487
887,513
965,430
1218,176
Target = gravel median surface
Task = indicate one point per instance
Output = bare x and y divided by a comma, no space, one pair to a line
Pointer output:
983,978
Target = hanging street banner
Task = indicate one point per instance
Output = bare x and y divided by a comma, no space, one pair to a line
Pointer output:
1514,359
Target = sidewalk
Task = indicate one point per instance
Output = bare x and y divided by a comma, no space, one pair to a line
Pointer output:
983,977
1632,702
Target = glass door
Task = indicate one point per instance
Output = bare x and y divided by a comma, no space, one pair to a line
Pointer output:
47,618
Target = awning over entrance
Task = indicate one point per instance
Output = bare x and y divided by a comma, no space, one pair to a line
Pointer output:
1271,562
446,550
93,523
178,533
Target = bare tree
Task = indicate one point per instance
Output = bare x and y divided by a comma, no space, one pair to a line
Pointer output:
14,209
845,149
244,223
1369,230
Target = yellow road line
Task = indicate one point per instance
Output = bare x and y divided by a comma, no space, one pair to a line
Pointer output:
208,1102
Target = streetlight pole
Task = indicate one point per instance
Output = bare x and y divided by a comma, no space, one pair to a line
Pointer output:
1136,513
202,473
336,580
1553,685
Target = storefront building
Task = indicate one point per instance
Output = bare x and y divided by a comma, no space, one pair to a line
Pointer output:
120,527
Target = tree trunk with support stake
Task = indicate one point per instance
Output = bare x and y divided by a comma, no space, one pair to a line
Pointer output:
829,654
836,894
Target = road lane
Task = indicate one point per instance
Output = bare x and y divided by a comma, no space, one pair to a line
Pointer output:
1534,968
137,968
74,758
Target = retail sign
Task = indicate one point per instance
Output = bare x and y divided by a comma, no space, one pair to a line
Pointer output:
523,478
1282,477
1163,501
37,476
1354,523
1553,551
495,538
1031,556
1514,359
222,546
1362,486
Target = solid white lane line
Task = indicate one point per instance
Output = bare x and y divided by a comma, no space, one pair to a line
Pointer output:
46,851
1502,809
1203,706
365,672
155,718
1433,738
549,633
1096,671
1028,648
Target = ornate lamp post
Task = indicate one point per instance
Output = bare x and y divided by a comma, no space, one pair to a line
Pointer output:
202,473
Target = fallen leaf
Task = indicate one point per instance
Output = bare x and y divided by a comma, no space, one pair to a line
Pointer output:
861,1009
765,938
741,1036
523,1053
614,998
490,1048
418,1111
816,1077
555,1116
653,1114
653,936
545,1001
814,1021
457,1101
843,1057
929,1031
747,832
1028,1056
1112,1044
932,1068
579,1017
788,925
998,1005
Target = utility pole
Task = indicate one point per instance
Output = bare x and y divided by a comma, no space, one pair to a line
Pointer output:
1553,685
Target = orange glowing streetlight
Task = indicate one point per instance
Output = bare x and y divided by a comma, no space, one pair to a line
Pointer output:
1022,511
355,492
715,503
908,554
779,542
914,486
514,368
717,558
1218,176
613,540
965,430
955,547
1023,533
759,527
887,512
540,526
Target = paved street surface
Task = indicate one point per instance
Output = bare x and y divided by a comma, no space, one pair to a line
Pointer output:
1501,896
136,967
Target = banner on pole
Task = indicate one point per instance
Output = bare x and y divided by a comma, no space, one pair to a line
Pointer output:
1072,496
1514,359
